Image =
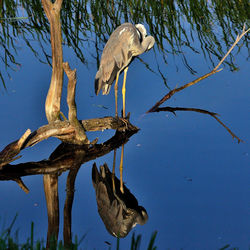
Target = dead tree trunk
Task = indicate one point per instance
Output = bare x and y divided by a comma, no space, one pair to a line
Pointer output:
53,100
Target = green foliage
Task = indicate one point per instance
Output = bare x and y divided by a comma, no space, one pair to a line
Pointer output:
175,26
7,241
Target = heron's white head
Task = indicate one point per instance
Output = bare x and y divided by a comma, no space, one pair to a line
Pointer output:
141,30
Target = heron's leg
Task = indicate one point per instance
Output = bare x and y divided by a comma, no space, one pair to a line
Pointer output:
113,172
121,169
116,91
124,92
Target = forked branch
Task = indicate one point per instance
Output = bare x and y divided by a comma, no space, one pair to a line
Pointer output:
80,136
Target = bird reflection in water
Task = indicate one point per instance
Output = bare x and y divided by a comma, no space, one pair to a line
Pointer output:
119,211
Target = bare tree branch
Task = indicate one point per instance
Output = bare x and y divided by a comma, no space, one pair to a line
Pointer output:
215,70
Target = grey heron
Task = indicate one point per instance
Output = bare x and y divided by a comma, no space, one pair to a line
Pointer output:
126,42
119,211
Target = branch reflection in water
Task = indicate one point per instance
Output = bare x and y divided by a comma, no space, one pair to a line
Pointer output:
202,111
65,157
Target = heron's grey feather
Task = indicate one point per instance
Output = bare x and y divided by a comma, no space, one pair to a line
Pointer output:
123,44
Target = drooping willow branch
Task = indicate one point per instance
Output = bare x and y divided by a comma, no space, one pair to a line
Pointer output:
215,70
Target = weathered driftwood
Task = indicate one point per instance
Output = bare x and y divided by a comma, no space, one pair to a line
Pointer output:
52,105
62,130
65,157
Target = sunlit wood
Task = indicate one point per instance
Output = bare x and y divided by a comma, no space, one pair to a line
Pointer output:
53,100
80,136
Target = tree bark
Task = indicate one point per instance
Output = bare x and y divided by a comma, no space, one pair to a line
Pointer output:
53,100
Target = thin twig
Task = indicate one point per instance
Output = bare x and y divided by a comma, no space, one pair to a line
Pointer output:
244,31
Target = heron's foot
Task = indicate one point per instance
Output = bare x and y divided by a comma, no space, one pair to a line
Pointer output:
125,121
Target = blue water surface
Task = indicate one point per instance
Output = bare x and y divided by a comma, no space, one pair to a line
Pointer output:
185,169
